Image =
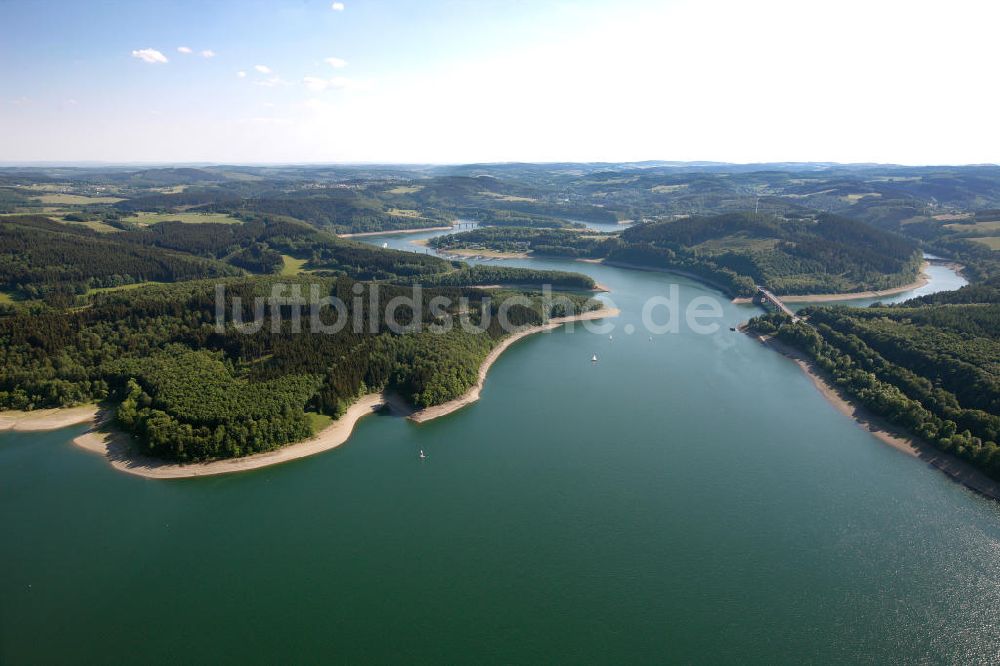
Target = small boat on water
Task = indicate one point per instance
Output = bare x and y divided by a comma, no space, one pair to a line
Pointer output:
611,337
385,245
594,359
422,456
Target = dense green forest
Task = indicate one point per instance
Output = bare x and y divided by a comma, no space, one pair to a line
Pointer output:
542,242
929,204
267,239
58,262
930,365
789,255
482,275
41,258
191,392
83,251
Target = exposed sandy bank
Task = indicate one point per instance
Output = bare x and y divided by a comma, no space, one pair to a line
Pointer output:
46,419
472,394
658,269
394,231
822,298
117,447
897,438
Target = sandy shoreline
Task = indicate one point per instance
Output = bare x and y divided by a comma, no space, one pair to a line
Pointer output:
897,438
921,280
472,395
117,446
657,269
394,231
46,419
486,254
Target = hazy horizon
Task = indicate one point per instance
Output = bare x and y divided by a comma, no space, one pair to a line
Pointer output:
652,162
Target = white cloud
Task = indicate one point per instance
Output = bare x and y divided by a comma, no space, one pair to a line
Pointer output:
208,53
149,55
337,6
184,49
336,63
263,69
271,82
315,83
319,84
241,74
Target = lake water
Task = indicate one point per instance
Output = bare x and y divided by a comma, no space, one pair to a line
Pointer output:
689,498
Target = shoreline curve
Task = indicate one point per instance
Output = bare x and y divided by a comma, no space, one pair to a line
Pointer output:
472,395
392,232
117,446
39,420
957,470
922,279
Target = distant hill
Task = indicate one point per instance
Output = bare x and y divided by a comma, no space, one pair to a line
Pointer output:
797,254
167,177
941,207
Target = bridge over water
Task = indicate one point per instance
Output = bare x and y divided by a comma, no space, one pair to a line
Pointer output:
765,297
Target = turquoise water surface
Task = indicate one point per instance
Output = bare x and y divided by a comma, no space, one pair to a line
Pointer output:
689,498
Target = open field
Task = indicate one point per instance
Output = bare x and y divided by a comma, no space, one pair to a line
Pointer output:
992,242
666,189
5,297
736,243
59,215
405,189
479,252
914,220
76,199
43,187
319,422
808,194
405,212
292,265
94,225
507,197
124,287
144,219
854,198
976,227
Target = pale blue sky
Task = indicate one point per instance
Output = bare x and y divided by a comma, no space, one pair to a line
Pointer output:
458,81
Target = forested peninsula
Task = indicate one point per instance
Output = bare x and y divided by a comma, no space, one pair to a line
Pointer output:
190,392
793,254
108,279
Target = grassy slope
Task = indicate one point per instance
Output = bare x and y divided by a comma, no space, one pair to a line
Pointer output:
292,265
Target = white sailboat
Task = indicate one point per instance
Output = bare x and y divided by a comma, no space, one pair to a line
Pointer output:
422,456
385,245
594,359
